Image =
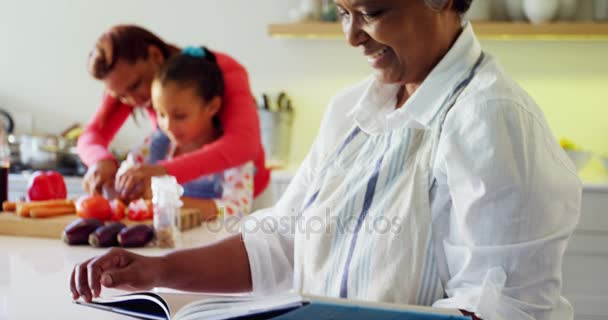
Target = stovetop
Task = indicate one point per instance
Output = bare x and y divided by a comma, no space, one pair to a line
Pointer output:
75,171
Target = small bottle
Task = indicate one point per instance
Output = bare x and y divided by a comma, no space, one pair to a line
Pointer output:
166,193
4,165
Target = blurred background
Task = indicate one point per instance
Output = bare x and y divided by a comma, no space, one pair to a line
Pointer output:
45,87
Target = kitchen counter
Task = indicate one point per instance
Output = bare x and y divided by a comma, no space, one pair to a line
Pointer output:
38,270
17,185
34,274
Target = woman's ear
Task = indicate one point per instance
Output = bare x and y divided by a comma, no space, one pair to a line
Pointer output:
214,106
155,55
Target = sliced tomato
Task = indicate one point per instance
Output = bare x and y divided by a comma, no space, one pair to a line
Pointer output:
140,209
94,206
118,210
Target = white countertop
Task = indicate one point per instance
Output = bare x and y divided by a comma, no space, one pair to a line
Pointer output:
34,274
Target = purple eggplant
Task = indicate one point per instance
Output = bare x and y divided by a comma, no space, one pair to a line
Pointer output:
135,236
106,236
78,231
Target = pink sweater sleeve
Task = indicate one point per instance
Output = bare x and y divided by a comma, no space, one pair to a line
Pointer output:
98,133
241,139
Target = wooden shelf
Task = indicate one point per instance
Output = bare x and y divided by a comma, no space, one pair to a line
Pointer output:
485,30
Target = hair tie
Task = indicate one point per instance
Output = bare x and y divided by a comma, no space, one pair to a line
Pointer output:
197,52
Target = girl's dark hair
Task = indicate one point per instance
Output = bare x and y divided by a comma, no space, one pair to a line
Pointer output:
129,42
201,73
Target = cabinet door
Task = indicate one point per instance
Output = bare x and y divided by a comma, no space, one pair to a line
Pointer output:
585,267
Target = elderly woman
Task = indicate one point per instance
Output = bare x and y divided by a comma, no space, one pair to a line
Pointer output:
434,182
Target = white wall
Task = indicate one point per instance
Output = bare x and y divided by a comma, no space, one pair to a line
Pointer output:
44,46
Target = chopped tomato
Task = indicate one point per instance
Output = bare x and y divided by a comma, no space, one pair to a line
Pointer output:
140,209
118,210
94,206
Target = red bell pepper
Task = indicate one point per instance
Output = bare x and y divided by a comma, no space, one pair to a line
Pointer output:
46,185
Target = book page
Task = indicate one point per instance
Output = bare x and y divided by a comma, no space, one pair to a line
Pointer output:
177,300
229,307
143,305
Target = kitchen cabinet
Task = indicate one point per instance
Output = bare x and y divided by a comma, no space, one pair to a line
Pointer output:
484,30
586,258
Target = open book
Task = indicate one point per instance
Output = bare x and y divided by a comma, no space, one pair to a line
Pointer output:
286,306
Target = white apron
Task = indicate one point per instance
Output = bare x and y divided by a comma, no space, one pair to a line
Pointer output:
365,227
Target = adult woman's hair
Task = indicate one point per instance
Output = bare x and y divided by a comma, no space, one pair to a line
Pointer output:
461,6
128,42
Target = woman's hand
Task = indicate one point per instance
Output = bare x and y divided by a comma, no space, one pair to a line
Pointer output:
117,268
135,182
99,175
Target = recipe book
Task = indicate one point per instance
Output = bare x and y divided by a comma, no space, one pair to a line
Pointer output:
286,306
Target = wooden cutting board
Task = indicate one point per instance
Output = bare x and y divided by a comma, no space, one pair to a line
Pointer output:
13,225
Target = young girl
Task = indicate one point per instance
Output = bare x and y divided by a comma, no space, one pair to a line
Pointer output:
187,96
126,58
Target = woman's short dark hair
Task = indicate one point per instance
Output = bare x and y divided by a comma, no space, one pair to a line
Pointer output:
128,42
461,6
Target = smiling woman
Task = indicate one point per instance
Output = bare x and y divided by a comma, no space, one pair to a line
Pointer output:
126,58
435,181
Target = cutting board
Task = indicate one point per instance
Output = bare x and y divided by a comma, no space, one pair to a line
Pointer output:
13,225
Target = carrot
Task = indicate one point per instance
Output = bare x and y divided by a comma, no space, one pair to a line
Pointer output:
45,212
9,206
24,208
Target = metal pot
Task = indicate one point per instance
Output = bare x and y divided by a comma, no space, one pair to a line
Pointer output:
44,152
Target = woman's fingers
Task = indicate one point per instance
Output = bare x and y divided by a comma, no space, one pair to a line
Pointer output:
81,281
98,184
129,187
73,282
86,279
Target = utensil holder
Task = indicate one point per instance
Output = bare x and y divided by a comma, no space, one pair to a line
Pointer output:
276,134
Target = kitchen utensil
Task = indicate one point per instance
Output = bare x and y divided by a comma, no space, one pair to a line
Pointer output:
7,124
283,102
266,101
32,153
275,125
46,152
541,11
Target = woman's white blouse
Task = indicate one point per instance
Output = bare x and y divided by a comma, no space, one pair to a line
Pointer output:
505,201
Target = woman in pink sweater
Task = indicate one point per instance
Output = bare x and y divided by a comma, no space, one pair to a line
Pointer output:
126,58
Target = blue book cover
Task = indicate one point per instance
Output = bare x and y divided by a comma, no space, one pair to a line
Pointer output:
323,310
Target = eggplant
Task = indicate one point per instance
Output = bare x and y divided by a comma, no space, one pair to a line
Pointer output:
78,231
135,236
106,236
